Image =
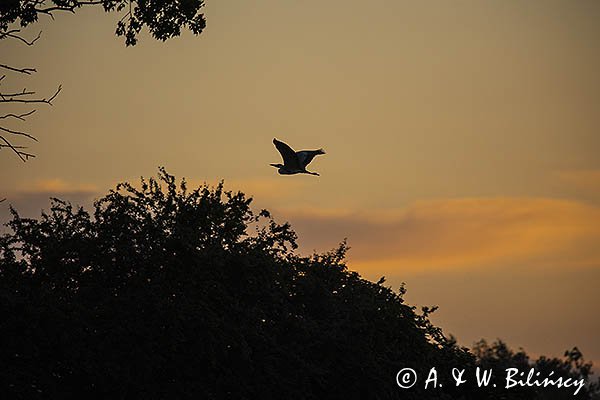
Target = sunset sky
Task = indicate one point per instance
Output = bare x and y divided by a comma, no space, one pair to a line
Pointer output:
462,139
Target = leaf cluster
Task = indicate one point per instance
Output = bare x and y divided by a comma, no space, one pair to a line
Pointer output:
163,18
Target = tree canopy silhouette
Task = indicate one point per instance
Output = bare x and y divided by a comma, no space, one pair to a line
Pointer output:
164,292
163,18
498,356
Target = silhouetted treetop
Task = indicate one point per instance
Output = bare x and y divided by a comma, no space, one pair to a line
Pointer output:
165,292
163,18
498,356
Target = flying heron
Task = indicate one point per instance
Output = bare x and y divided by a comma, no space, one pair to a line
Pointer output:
294,162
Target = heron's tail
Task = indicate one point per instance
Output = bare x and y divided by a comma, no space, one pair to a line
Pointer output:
320,151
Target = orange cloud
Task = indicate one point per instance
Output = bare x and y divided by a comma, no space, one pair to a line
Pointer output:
460,233
262,189
30,198
586,179
56,186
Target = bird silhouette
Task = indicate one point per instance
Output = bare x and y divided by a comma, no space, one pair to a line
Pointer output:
294,162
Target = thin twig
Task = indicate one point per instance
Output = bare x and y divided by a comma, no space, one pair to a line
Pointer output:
22,155
46,101
23,93
16,147
13,35
50,10
18,133
18,116
5,34
127,14
55,94
27,71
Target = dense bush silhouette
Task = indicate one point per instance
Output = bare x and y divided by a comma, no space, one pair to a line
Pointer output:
170,293
498,357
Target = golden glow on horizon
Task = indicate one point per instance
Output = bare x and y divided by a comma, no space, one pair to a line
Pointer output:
459,233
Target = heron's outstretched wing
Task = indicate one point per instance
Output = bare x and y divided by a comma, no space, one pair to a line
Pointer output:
306,156
290,159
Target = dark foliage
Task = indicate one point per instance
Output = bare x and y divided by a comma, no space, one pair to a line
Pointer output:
498,357
170,293
163,18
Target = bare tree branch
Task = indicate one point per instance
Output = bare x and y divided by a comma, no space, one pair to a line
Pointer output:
77,4
22,155
164,19
18,133
46,101
23,93
8,33
18,116
22,97
14,34
27,71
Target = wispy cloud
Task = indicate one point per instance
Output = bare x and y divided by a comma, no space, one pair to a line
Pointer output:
55,186
451,233
30,198
427,235
583,179
266,189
